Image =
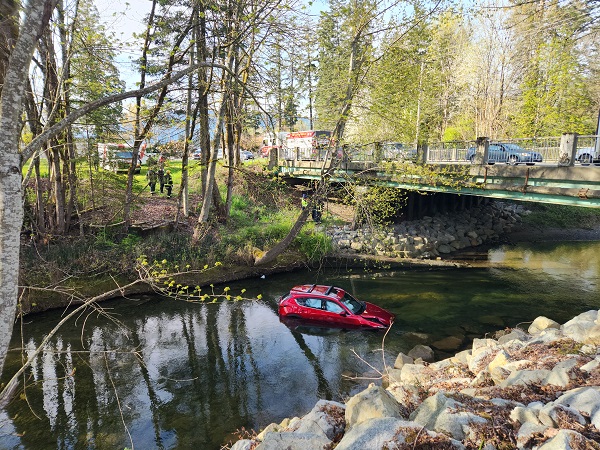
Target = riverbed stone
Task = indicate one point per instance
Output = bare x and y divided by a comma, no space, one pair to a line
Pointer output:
585,400
443,415
541,323
376,434
327,416
567,440
402,359
422,351
579,327
553,415
527,431
514,335
244,444
525,414
591,366
525,377
272,427
371,403
415,373
449,343
294,441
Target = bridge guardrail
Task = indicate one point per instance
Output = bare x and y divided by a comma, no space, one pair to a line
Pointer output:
458,152
588,149
451,151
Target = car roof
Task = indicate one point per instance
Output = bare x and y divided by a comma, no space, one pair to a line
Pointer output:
319,289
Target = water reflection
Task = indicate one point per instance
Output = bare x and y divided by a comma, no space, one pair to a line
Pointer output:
167,374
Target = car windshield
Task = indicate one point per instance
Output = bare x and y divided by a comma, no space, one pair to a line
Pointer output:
352,304
124,155
514,148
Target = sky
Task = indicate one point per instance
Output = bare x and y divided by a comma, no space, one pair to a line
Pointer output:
125,19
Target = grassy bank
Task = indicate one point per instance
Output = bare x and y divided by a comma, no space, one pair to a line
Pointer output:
558,216
263,210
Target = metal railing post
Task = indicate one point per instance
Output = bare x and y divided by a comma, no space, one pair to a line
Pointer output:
568,149
378,152
423,153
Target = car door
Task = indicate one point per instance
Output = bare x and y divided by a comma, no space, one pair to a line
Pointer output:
333,312
312,308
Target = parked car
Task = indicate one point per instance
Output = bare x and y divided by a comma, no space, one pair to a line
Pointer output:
332,305
508,153
246,155
587,155
197,155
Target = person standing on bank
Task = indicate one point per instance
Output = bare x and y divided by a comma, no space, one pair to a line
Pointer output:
152,177
168,182
161,178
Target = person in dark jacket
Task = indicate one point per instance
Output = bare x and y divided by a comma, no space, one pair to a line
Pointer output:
161,178
152,177
168,182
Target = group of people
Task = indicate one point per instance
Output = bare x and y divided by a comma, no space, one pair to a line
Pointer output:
317,209
164,179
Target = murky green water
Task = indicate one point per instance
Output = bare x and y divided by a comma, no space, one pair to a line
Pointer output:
162,374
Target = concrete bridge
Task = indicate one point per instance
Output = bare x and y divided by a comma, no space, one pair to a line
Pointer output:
562,170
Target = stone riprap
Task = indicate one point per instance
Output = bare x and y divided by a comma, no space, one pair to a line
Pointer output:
538,389
430,237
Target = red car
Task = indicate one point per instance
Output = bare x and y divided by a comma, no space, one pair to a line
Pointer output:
332,305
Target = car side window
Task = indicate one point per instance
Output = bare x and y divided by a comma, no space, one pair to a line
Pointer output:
312,303
333,307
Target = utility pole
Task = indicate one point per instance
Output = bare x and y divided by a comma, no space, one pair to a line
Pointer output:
421,52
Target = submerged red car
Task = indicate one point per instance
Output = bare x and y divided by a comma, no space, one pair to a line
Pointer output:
332,305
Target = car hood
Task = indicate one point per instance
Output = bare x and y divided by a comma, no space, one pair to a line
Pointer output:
375,312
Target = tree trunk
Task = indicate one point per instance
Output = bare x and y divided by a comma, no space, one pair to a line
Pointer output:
37,15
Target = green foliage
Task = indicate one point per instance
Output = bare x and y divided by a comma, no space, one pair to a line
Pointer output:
555,97
94,72
377,205
314,246
559,216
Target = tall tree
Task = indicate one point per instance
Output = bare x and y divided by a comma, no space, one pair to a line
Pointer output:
36,18
554,95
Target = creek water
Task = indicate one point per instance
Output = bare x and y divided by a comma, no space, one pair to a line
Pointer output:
153,373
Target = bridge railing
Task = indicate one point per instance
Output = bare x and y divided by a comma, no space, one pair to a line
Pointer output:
587,151
452,151
548,147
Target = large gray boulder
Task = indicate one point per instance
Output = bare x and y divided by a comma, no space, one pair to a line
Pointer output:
584,328
541,323
294,441
326,416
568,440
423,352
390,433
373,402
585,400
443,415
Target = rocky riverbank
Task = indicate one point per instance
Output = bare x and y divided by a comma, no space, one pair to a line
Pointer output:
538,389
431,237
